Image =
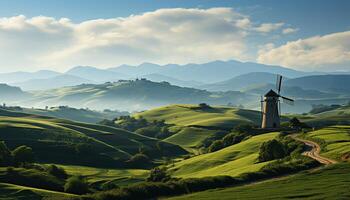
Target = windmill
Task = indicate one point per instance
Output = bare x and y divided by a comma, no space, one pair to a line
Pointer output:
271,107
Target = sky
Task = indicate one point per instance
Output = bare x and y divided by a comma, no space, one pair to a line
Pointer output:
306,35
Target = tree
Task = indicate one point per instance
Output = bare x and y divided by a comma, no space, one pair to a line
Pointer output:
271,150
216,145
76,185
204,106
158,175
5,155
58,172
23,154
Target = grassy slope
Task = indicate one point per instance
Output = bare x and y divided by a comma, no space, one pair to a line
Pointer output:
336,140
328,183
56,138
16,192
100,175
194,125
332,117
233,160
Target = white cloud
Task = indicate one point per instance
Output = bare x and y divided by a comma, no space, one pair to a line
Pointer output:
163,36
315,53
269,27
289,30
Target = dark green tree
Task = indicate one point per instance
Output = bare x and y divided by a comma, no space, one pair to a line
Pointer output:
158,175
271,150
76,185
5,155
23,154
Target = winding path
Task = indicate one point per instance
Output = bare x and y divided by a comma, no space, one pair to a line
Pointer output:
314,151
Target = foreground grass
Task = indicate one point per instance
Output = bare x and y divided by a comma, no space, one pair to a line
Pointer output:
328,183
231,161
335,139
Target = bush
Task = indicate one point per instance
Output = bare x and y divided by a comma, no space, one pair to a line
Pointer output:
5,155
23,154
158,175
216,145
76,185
271,150
58,172
32,178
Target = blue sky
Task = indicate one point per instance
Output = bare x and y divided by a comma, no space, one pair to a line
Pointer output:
304,18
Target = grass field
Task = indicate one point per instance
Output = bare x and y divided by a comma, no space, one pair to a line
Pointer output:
328,183
56,140
336,141
100,175
16,192
232,161
194,125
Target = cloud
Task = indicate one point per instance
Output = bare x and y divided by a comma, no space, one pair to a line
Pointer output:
289,30
269,27
314,53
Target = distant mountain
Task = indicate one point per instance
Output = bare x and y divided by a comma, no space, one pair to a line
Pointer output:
140,70
328,83
96,75
50,83
24,76
211,72
242,82
173,81
10,93
131,96
292,92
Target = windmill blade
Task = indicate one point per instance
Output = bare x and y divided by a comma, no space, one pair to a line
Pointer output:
278,83
287,100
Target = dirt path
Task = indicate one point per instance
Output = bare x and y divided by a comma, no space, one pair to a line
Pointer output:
314,151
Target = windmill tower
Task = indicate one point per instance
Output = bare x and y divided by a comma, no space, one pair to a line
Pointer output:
271,107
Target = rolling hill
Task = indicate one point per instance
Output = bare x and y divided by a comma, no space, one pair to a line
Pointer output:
192,126
130,95
242,82
328,183
62,141
12,94
25,76
233,160
95,74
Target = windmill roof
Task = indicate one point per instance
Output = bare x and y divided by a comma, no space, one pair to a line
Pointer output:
271,93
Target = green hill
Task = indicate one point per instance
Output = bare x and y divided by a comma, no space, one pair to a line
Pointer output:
130,95
335,141
62,141
192,125
328,183
65,112
232,161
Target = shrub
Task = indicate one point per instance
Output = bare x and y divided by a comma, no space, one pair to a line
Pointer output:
5,155
23,154
58,172
216,145
271,150
158,175
76,185
32,178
